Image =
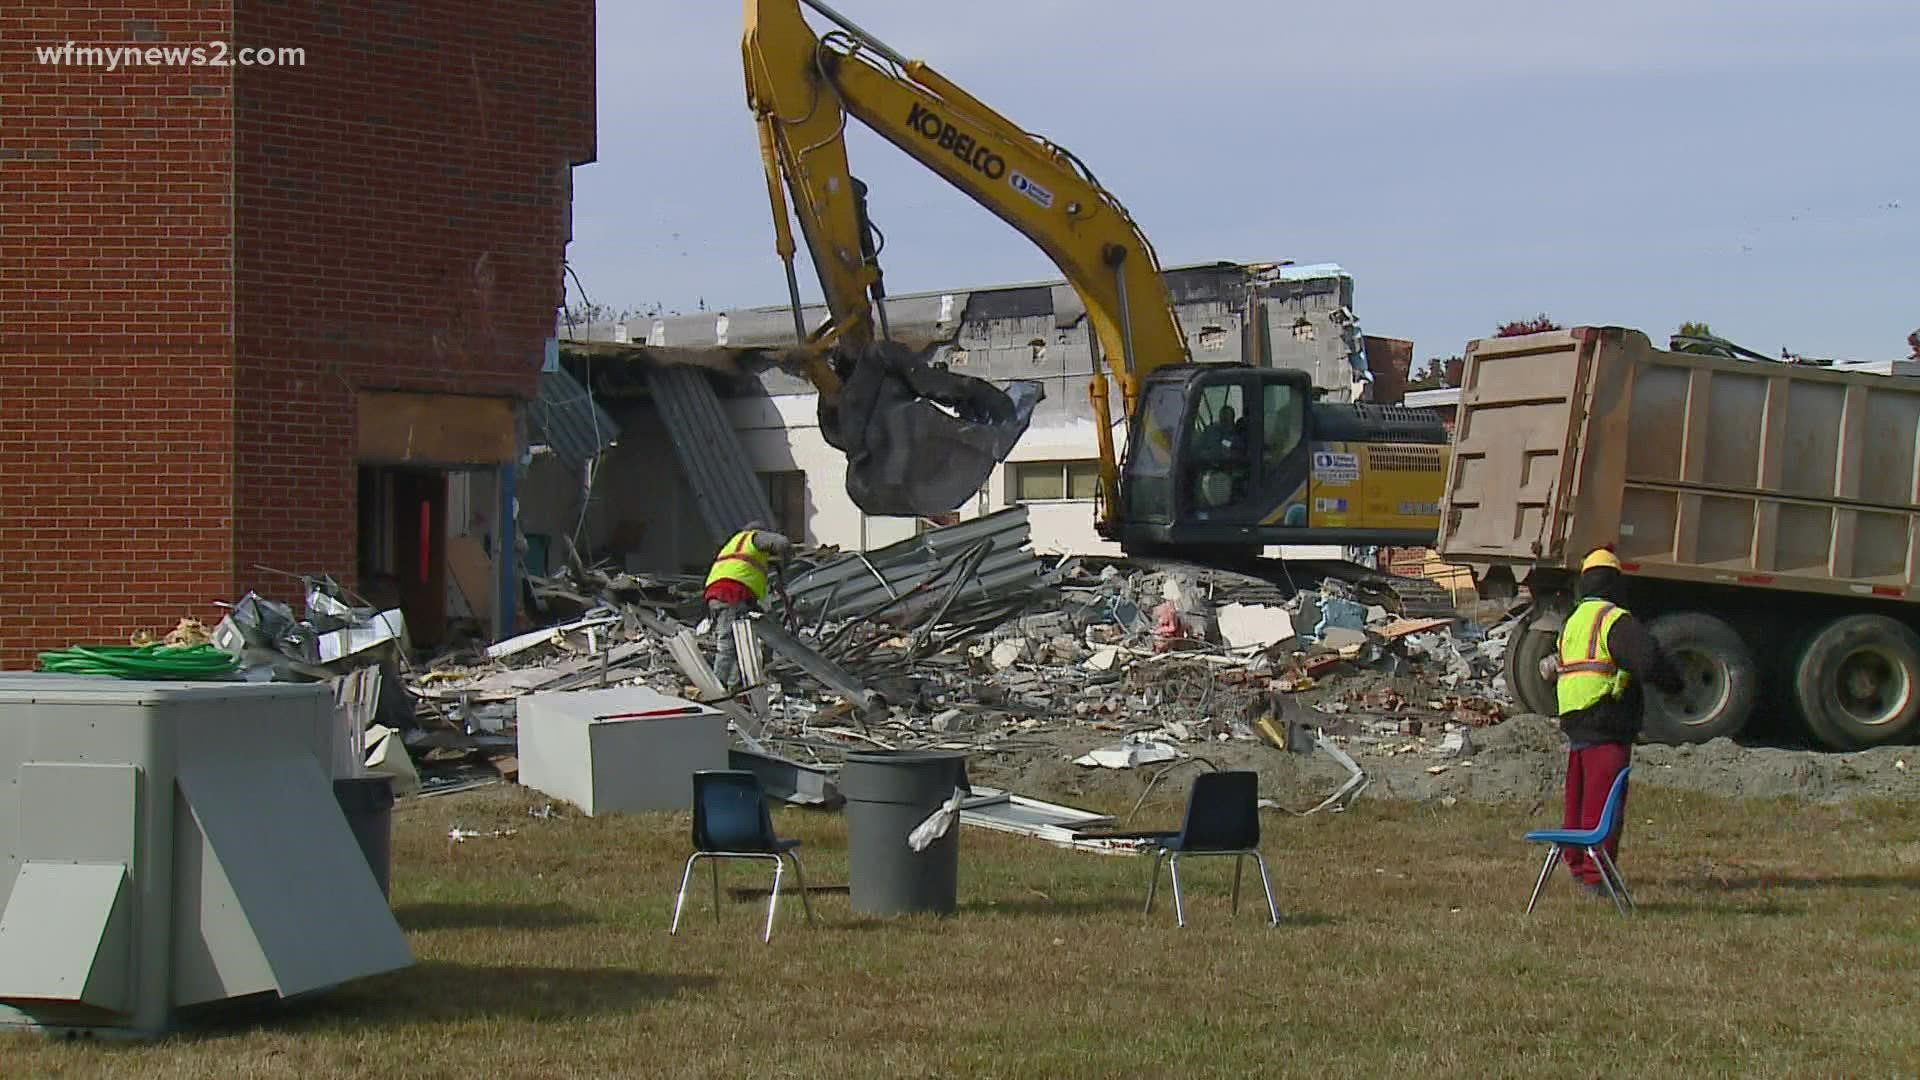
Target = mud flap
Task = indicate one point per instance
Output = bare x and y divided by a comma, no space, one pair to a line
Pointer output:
919,440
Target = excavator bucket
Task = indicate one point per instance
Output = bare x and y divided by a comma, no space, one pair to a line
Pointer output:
920,440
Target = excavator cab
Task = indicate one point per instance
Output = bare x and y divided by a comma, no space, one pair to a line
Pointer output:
1232,457
1218,451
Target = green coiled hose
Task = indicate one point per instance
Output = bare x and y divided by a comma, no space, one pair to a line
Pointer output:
162,662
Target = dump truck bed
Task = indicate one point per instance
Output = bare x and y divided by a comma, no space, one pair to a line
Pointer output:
1697,468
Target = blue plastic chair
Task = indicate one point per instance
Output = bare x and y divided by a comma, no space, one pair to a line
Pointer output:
1223,818
1589,840
730,821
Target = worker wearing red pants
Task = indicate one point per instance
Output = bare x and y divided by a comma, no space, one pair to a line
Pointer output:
1604,654
737,584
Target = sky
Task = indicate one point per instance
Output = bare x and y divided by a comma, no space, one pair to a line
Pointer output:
1754,164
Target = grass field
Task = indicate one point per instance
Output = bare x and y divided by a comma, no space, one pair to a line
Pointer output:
1773,939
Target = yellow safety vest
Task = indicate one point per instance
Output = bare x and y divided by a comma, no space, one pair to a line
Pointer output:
1588,674
742,561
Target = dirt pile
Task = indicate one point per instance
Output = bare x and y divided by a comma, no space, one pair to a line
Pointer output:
1519,761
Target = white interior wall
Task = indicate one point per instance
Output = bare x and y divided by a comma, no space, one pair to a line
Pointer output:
1063,526
644,512
782,433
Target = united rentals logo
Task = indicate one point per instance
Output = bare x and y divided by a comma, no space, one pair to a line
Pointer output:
1031,190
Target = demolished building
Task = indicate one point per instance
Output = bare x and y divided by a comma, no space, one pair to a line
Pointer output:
1268,314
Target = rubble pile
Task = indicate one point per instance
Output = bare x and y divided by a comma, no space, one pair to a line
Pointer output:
364,655
965,638
1080,678
332,633
960,638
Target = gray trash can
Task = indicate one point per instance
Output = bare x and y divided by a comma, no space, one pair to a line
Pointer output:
888,793
367,801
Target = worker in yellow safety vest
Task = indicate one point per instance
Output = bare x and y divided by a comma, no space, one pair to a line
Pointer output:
736,583
1604,654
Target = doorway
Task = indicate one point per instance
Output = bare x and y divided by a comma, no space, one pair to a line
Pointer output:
403,537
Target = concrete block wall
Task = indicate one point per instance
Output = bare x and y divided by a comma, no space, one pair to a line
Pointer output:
201,266
116,316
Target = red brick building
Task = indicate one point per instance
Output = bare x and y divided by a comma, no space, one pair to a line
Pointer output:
250,313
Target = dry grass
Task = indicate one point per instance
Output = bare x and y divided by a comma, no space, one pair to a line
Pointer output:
1775,938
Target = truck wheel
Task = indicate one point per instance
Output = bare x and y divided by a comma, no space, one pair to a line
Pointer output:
1533,640
1858,682
1722,681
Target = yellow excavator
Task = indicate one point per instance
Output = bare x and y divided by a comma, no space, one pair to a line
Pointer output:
1221,459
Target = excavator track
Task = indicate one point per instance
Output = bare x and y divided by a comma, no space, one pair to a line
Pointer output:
1413,597
1275,581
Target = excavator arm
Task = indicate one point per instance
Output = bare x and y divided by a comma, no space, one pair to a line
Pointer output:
875,395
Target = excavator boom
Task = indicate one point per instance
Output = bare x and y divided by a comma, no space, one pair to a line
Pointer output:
1222,459
903,450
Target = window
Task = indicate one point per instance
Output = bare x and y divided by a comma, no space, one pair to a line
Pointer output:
1221,462
1149,486
1053,481
787,495
1285,415
1219,422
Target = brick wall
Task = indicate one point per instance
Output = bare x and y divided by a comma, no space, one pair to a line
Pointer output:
1390,361
402,207
198,267
116,378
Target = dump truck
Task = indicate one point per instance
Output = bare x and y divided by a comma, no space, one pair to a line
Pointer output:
1764,515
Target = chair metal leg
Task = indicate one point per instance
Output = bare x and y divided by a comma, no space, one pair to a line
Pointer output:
1597,854
773,901
1239,861
1273,909
715,865
1546,868
1153,883
805,901
1179,908
1610,871
681,899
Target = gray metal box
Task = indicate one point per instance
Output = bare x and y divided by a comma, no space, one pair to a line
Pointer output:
618,765
171,845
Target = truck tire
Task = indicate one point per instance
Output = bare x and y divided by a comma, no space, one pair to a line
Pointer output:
1858,682
1537,637
1723,682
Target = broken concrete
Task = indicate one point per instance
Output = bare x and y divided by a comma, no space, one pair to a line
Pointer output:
1255,626
1058,678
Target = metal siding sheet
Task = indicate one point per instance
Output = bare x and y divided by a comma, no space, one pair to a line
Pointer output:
729,492
570,421
857,584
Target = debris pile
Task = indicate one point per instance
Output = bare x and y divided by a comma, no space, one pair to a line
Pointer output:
330,638
364,655
965,638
